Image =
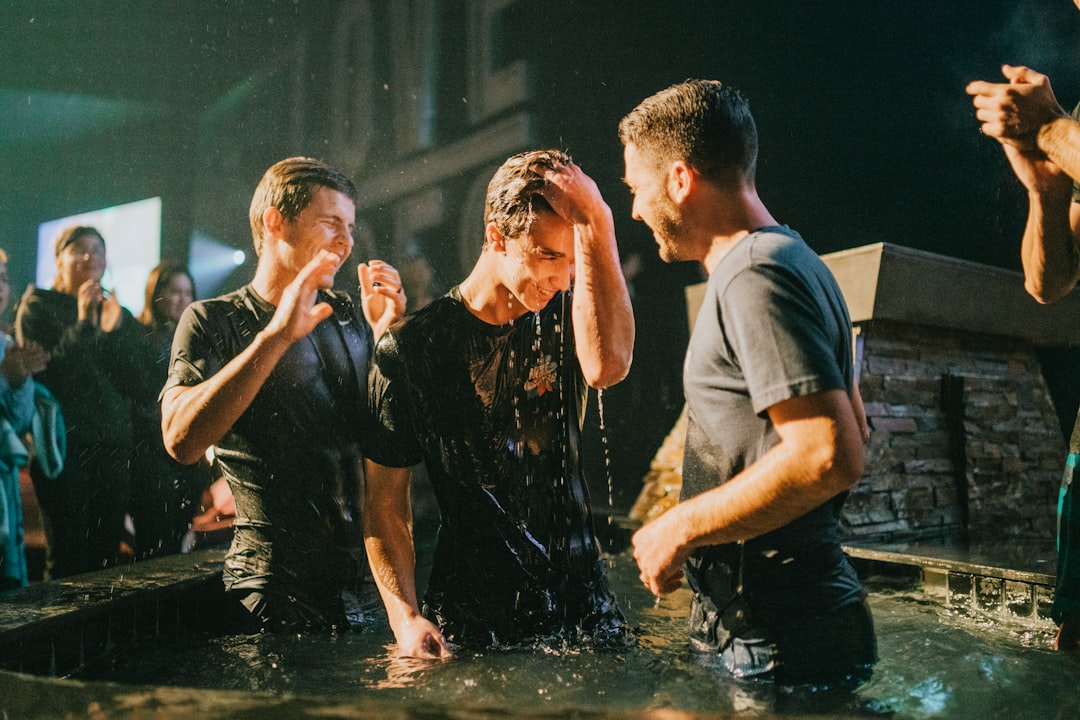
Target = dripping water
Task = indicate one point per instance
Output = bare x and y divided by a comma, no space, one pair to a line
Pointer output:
607,469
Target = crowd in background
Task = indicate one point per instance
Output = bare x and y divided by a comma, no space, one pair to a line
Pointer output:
79,383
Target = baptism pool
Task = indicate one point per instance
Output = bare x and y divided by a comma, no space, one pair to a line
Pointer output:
171,660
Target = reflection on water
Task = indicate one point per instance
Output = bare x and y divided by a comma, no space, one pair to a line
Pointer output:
934,664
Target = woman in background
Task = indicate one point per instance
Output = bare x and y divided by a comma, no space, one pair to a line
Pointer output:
17,366
165,494
99,371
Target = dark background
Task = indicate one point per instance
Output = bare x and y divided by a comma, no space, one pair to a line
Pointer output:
866,133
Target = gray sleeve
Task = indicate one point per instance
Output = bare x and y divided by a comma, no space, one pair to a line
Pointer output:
777,329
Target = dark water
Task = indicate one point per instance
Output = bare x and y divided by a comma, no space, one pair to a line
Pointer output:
934,664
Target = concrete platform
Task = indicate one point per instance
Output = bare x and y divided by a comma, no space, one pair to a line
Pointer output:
1010,581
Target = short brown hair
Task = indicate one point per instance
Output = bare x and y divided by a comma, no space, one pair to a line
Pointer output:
289,185
705,123
513,195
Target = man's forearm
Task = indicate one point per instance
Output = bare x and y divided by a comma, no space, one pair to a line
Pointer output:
820,455
1048,249
393,566
389,542
1059,139
194,418
603,316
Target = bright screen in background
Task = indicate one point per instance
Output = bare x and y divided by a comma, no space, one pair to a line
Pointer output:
132,235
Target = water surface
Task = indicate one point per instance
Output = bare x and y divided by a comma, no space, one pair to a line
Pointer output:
935,663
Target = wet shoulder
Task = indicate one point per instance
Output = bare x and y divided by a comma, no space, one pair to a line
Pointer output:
445,317
236,312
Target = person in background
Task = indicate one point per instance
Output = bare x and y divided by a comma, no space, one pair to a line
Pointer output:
18,363
274,376
487,386
1042,144
99,372
776,429
418,277
164,494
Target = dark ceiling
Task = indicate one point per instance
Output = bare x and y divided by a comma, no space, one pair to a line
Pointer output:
70,67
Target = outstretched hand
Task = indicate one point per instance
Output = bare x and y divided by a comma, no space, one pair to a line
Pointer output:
382,296
297,312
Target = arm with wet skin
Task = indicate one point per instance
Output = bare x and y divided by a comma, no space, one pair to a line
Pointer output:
195,417
820,454
1042,144
392,555
603,316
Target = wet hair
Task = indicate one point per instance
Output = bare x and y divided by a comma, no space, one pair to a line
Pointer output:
158,279
71,234
513,195
289,185
704,123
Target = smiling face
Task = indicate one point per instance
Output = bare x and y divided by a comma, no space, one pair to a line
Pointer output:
653,204
327,223
82,260
540,263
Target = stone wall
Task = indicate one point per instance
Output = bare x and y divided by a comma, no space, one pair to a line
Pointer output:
964,440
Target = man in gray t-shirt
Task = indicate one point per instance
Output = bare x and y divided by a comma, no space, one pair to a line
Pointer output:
776,425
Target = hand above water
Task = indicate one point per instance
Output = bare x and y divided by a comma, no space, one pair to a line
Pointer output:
659,556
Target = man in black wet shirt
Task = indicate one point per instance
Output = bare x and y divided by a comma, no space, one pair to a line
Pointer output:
274,376
487,385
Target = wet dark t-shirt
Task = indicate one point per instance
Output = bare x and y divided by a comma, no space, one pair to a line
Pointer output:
495,412
292,459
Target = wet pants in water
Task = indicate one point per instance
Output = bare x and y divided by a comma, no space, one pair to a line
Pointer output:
1067,591
837,649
